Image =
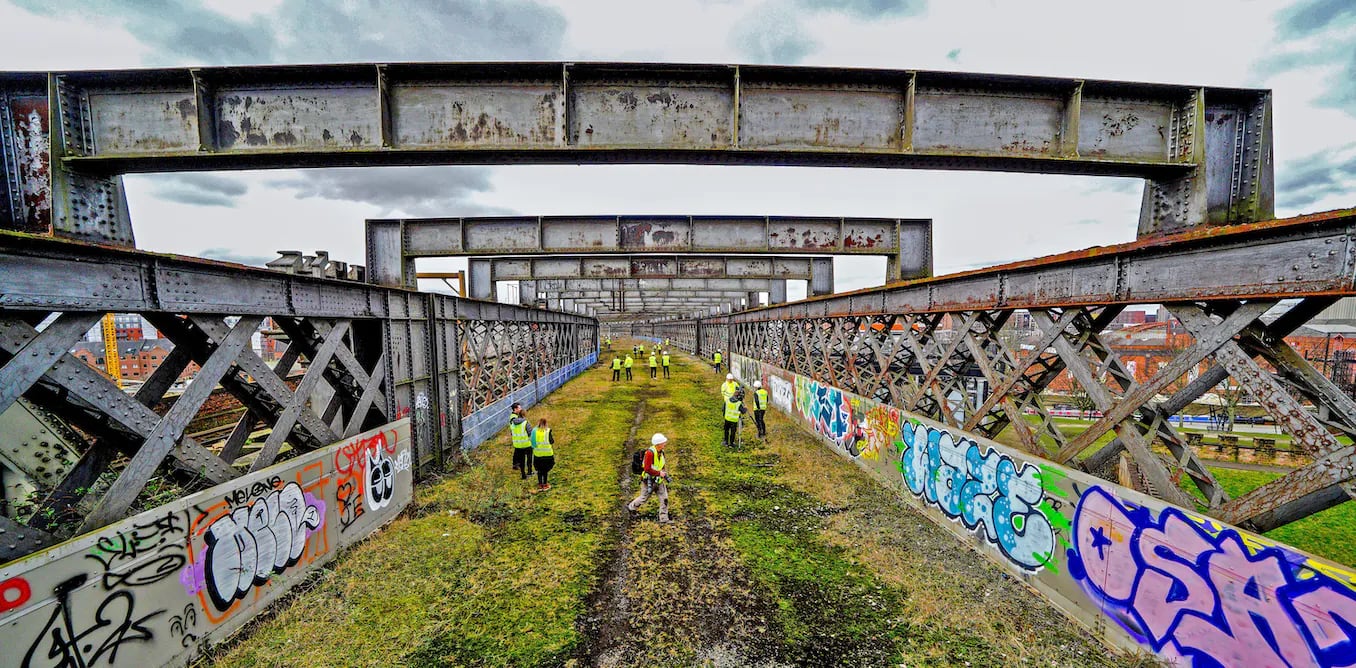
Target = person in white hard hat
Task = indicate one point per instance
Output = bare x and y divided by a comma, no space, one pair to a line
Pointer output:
654,478
727,388
759,407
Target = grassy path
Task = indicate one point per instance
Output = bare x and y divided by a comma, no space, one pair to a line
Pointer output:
779,554
479,571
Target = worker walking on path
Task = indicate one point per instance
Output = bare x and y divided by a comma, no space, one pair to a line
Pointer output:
654,365
759,407
616,368
734,409
543,454
654,478
521,433
666,363
715,361
628,364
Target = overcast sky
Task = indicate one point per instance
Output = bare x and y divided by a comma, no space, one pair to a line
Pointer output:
1305,51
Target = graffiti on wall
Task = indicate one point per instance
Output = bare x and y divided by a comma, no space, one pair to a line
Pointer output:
112,597
983,489
365,476
832,413
267,536
1208,595
783,396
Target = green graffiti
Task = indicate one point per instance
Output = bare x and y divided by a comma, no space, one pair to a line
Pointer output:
1050,478
1057,520
1045,561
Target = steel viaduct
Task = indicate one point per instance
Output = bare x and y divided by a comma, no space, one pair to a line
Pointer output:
398,383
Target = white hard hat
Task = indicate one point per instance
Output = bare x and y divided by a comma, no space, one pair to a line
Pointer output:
757,383
729,376
658,438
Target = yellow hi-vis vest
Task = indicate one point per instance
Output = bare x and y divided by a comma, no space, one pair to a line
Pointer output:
541,443
727,389
629,362
666,360
657,464
732,410
716,358
653,362
616,363
760,399
519,433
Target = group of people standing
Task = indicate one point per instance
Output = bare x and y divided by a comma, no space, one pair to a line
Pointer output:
658,359
734,409
533,447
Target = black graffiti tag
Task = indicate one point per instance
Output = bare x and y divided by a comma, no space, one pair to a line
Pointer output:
162,536
65,643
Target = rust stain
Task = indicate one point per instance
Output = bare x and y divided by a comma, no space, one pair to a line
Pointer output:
34,153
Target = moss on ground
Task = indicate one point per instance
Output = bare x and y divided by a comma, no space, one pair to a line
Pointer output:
478,571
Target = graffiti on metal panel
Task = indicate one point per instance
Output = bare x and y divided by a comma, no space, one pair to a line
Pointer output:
81,636
366,477
14,592
182,625
1202,594
783,396
126,555
984,489
248,546
833,413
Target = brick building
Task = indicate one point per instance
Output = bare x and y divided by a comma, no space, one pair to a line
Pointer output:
139,359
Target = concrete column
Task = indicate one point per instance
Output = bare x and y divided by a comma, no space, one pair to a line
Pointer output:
778,293
821,276
479,283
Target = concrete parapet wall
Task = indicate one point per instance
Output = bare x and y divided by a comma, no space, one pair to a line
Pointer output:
1137,572
157,588
483,424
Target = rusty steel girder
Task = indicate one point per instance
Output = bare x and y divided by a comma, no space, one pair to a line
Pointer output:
926,346
370,355
1204,151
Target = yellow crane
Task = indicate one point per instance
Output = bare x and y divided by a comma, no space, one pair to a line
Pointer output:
111,361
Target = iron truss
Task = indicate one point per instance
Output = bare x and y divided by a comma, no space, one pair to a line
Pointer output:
913,346
371,355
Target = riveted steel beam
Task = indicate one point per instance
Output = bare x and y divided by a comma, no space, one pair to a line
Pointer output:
1205,151
648,266
610,241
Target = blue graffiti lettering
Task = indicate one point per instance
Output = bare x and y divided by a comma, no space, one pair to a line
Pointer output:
979,488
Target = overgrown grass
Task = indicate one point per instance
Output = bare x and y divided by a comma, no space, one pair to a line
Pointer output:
479,571
855,576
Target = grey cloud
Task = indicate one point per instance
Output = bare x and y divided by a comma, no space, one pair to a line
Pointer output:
228,255
868,9
1323,32
772,34
199,189
416,191
1308,17
1309,180
297,31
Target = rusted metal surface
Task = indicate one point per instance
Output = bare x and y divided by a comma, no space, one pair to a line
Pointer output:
1204,151
923,346
25,153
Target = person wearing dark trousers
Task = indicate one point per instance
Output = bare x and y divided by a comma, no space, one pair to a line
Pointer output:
543,454
666,363
616,368
759,407
521,432
654,365
734,408
628,364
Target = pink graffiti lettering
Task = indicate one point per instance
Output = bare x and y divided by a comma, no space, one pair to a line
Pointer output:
1198,593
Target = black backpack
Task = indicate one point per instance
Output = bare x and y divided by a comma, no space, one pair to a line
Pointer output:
638,462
